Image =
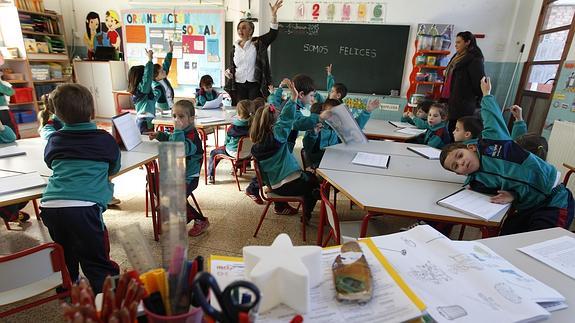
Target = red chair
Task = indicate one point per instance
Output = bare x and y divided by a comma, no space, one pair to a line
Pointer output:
33,272
243,156
271,197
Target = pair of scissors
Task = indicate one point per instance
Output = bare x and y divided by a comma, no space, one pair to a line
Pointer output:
233,310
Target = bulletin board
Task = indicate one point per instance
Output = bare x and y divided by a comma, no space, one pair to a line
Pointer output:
198,36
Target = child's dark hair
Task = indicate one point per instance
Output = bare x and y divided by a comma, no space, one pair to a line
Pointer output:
73,103
471,124
331,103
316,108
245,109
135,75
448,149
303,83
441,108
424,105
534,144
206,80
258,102
188,106
341,89
262,124
157,69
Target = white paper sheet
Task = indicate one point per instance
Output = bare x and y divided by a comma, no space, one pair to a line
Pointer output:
456,286
129,132
20,182
343,123
557,253
207,120
389,302
402,124
411,131
368,159
11,150
214,104
427,152
474,204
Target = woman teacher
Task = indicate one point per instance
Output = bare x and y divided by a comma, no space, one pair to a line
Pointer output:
463,74
250,74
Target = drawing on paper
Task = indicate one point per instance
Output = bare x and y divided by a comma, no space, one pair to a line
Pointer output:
463,263
452,312
402,251
508,293
409,242
430,272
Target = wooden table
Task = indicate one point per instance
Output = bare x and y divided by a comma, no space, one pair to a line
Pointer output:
383,130
506,247
410,187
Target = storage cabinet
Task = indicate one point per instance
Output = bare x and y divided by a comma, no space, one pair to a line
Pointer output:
101,78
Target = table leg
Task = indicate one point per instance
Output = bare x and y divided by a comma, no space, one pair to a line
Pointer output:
365,223
204,143
487,232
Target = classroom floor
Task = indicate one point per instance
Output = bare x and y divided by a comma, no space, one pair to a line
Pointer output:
233,217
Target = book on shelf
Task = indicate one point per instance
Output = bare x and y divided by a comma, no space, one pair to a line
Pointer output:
473,203
30,45
30,5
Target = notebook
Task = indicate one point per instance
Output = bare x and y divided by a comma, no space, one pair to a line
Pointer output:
402,124
343,123
215,103
427,152
474,204
368,159
125,123
411,131
209,120
20,182
10,151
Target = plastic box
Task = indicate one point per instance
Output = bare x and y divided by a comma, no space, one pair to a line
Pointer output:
24,116
22,95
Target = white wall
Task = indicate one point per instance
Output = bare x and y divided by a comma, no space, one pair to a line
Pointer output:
506,23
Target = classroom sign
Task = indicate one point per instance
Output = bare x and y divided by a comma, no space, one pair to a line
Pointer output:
340,11
197,34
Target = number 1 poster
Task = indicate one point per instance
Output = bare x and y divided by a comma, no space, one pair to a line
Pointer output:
197,34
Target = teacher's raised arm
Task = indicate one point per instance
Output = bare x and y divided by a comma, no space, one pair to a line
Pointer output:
249,75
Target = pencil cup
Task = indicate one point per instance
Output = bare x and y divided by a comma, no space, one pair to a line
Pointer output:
195,315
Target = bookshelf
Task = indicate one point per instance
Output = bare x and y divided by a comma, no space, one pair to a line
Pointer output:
42,57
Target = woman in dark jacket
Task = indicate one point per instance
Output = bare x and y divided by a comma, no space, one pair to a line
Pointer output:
463,75
249,74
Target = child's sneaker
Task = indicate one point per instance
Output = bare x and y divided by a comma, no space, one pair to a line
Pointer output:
211,180
23,217
285,210
199,227
114,201
255,197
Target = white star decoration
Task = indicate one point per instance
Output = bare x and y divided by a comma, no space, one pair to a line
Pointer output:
283,273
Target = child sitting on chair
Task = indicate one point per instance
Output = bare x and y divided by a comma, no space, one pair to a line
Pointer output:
467,130
185,131
420,117
11,213
499,166
206,91
240,128
279,168
437,134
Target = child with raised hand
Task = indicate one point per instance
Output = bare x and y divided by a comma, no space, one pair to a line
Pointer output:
467,130
532,142
240,128
163,91
279,168
11,213
420,117
437,134
499,166
185,131
519,125
82,158
206,91
276,94
49,122
140,79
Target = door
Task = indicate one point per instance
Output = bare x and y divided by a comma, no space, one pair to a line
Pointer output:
83,72
549,49
104,98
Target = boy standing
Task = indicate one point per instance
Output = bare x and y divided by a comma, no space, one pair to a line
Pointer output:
81,158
